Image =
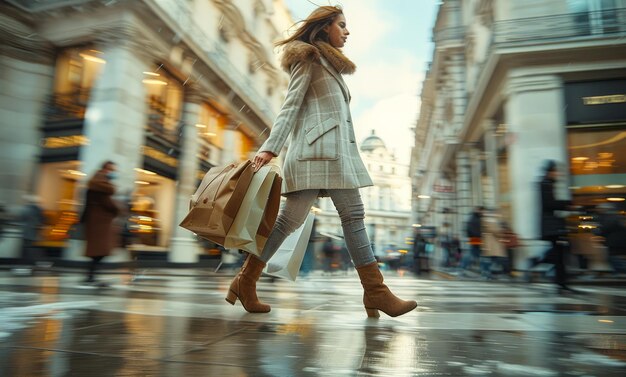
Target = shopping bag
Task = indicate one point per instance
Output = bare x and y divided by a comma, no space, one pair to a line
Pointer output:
288,258
215,203
269,215
257,213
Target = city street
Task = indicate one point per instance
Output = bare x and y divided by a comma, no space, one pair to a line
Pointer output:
176,323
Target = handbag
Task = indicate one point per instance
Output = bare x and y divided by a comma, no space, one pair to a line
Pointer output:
214,205
257,213
286,262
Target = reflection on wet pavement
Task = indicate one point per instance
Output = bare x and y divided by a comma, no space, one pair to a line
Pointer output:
180,326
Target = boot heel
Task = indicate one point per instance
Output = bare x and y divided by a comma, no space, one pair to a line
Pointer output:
231,297
372,313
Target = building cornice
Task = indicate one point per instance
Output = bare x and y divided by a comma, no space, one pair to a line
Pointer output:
20,41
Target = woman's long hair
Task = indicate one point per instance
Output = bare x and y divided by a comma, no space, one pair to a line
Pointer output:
312,27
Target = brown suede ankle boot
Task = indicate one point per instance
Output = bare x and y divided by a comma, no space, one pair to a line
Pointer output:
377,296
243,286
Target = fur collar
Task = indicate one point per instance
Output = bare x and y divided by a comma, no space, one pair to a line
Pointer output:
296,51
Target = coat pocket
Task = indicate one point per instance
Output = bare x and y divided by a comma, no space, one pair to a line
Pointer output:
321,142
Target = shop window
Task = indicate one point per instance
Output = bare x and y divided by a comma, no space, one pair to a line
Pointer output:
211,125
597,165
245,146
57,189
151,207
165,97
76,72
77,69
594,16
597,151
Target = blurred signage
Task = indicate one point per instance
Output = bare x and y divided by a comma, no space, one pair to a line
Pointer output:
589,102
428,231
443,188
603,100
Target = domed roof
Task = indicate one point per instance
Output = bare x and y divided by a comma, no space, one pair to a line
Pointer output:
372,142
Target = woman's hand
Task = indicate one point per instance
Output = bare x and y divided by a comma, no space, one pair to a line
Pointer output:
261,159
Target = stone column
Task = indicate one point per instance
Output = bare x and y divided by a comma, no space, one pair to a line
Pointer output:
463,191
115,118
117,110
534,115
183,245
231,143
476,177
491,152
26,83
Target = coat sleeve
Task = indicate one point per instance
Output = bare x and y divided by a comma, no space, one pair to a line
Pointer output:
285,121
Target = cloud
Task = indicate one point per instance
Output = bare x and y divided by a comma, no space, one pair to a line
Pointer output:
398,73
367,27
392,118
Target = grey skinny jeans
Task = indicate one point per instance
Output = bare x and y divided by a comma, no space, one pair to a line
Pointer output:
351,212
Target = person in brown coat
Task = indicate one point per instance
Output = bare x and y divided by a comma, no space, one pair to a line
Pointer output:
492,247
98,215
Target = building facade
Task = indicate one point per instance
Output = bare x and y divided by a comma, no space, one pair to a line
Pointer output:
510,85
164,88
387,203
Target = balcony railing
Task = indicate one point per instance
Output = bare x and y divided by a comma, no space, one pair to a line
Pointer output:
449,35
559,27
161,122
67,106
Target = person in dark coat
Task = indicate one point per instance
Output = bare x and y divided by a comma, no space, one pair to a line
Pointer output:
419,251
474,233
553,228
99,213
611,227
4,218
32,220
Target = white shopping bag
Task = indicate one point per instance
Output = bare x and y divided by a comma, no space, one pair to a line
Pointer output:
288,259
243,233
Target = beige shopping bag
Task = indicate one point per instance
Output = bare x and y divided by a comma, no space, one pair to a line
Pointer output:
259,207
215,203
288,259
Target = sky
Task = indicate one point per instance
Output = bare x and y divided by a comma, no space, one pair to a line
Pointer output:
390,43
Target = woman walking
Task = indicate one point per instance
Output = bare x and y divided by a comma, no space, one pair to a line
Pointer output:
322,160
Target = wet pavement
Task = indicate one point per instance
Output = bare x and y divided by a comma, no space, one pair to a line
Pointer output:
171,325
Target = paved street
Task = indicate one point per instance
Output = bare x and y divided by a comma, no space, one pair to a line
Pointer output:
168,325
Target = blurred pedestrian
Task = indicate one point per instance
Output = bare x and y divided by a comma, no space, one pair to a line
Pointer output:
99,212
329,249
323,158
473,229
445,243
553,227
611,227
492,247
32,220
456,250
4,218
511,242
419,252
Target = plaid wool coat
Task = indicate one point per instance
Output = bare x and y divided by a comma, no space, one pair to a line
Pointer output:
322,153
